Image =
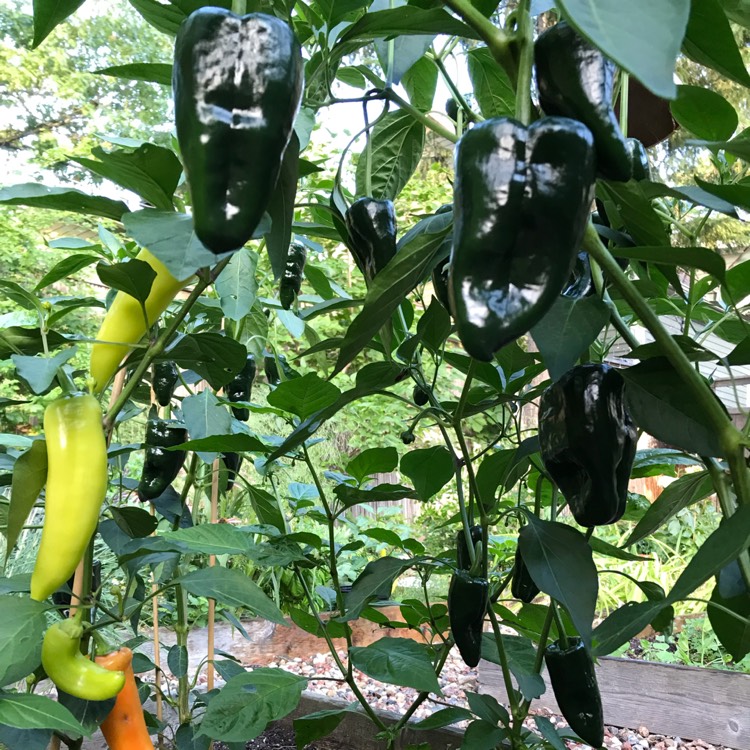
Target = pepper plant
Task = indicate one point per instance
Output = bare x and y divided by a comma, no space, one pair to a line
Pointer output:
439,322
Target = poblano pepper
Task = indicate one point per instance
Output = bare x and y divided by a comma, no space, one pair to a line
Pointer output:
522,586
579,282
576,80
588,442
161,466
240,388
372,235
521,204
291,281
573,678
468,598
638,159
166,375
237,83
232,463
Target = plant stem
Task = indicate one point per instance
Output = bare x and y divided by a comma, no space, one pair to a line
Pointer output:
181,629
512,698
525,41
426,120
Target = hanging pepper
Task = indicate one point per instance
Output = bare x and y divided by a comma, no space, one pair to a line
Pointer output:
521,204
70,670
76,487
420,396
237,85
638,159
271,365
240,388
522,585
372,235
440,284
573,678
232,463
166,375
125,726
468,597
291,281
579,282
124,324
576,80
588,442
161,466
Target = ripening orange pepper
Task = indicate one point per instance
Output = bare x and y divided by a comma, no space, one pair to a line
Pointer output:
125,727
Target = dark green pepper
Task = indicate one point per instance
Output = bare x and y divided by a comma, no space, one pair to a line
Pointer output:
579,283
522,586
468,598
588,442
576,80
166,375
440,284
573,679
291,281
371,225
420,396
271,365
638,159
521,205
240,388
232,463
237,83
161,466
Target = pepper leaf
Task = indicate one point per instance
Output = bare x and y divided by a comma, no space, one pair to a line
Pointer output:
50,13
29,476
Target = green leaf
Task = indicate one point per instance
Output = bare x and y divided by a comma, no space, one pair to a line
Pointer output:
482,735
567,331
634,207
66,267
733,634
237,286
266,508
164,18
434,326
62,199
521,656
396,142
214,357
687,257
378,576
317,725
429,469
605,548
737,11
281,208
443,718
205,416
22,625
682,493
29,476
420,82
233,588
704,113
349,496
559,561
153,72
399,661
623,624
133,277
549,732
211,539
709,40
47,15
152,172
29,711
500,469
237,443
304,396
249,702
372,461
403,273
177,660
736,194
137,523
40,372
493,89
642,37
407,48
665,407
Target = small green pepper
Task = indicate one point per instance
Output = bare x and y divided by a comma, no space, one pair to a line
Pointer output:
161,466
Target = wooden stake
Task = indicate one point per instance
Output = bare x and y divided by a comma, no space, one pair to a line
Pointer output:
211,563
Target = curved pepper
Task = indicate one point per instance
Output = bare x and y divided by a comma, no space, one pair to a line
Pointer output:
237,83
166,375
76,487
240,388
588,442
638,159
70,670
271,365
124,324
372,235
522,586
521,204
125,727
161,466
291,281
573,678
232,463
576,80
579,282
420,396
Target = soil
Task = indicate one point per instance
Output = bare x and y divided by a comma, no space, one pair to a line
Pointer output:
282,738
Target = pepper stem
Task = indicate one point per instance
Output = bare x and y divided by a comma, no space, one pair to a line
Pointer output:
524,39
239,7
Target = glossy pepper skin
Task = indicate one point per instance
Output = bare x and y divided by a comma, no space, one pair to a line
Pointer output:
124,324
579,283
232,462
70,670
161,466
420,396
291,281
573,678
588,442
240,388
372,235
468,598
521,203
641,167
522,586
166,375
237,84
576,80
76,487
125,727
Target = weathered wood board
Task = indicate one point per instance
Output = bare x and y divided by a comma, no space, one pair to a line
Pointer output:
688,702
